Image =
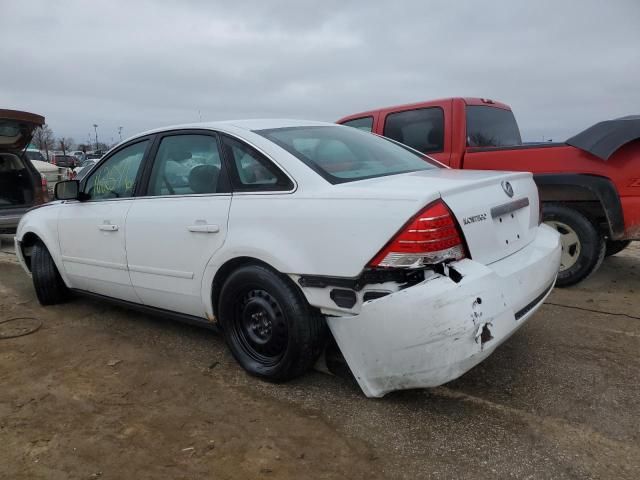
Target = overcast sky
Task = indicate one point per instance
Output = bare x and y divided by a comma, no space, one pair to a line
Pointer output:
561,65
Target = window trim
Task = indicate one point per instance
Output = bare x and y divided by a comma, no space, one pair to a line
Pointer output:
146,178
258,189
360,118
397,112
151,139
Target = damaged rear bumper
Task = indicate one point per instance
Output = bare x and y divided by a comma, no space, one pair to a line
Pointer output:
433,332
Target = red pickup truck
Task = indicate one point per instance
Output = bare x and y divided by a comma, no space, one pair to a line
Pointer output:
589,184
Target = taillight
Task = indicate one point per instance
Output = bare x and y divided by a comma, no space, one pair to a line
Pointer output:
41,195
430,237
53,161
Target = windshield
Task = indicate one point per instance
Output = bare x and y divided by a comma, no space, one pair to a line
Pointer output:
342,154
491,127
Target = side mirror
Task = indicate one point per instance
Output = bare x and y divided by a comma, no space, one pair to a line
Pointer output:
67,190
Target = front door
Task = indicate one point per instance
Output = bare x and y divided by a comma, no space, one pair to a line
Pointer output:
179,222
92,232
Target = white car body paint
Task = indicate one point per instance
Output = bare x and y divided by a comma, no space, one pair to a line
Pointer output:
165,251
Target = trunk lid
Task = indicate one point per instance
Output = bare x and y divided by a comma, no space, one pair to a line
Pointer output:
16,129
497,211
497,219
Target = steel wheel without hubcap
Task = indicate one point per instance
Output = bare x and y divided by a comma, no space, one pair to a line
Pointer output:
260,327
570,242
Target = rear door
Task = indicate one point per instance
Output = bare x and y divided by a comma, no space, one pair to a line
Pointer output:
92,232
179,222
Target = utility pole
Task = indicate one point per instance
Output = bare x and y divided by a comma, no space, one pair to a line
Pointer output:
120,132
95,128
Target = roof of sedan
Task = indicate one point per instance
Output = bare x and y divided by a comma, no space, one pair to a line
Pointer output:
249,124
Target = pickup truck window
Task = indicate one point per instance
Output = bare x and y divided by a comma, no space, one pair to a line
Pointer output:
491,127
422,129
365,123
345,154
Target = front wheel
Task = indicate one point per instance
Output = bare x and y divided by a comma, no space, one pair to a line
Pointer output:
268,325
49,286
583,248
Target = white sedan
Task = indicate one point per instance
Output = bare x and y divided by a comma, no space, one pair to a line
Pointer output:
276,229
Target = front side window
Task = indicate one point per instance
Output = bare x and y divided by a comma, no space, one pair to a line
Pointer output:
252,171
491,127
346,154
117,176
422,129
186,165
365,123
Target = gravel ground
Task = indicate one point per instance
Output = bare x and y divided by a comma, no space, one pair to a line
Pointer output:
102,392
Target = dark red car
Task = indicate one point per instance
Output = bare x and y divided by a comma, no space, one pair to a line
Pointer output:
589,184
67,161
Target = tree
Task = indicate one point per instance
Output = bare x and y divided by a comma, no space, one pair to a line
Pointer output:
65,144
43,138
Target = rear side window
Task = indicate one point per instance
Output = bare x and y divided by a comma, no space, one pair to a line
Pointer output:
186,165
252,171
491,127
365,123
422,129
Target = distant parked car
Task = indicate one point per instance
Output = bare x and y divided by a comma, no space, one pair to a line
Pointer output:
21,186
52,173
84,168
68,161
80,155
94,156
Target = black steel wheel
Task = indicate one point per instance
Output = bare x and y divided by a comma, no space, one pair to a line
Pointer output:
268,325
261,327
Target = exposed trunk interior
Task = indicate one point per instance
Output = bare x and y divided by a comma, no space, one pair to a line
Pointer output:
16,183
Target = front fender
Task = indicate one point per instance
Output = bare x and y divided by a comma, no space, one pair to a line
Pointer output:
43,223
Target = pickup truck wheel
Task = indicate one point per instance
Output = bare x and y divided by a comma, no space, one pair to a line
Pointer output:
268,325
49,286
583,248
616,246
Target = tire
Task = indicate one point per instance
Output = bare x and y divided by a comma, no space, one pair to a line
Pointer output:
268,325
49,286
583,248
616,246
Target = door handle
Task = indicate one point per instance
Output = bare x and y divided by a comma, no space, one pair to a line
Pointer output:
204,228
107,227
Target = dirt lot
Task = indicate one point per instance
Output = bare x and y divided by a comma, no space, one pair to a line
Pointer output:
101,392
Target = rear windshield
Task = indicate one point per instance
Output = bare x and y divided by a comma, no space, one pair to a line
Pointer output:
32,155
491,127
342,154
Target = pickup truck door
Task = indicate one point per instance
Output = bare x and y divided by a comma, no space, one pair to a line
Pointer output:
179,221
92,233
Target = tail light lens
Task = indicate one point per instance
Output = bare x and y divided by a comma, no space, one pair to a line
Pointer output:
42,195
430,237
53,161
